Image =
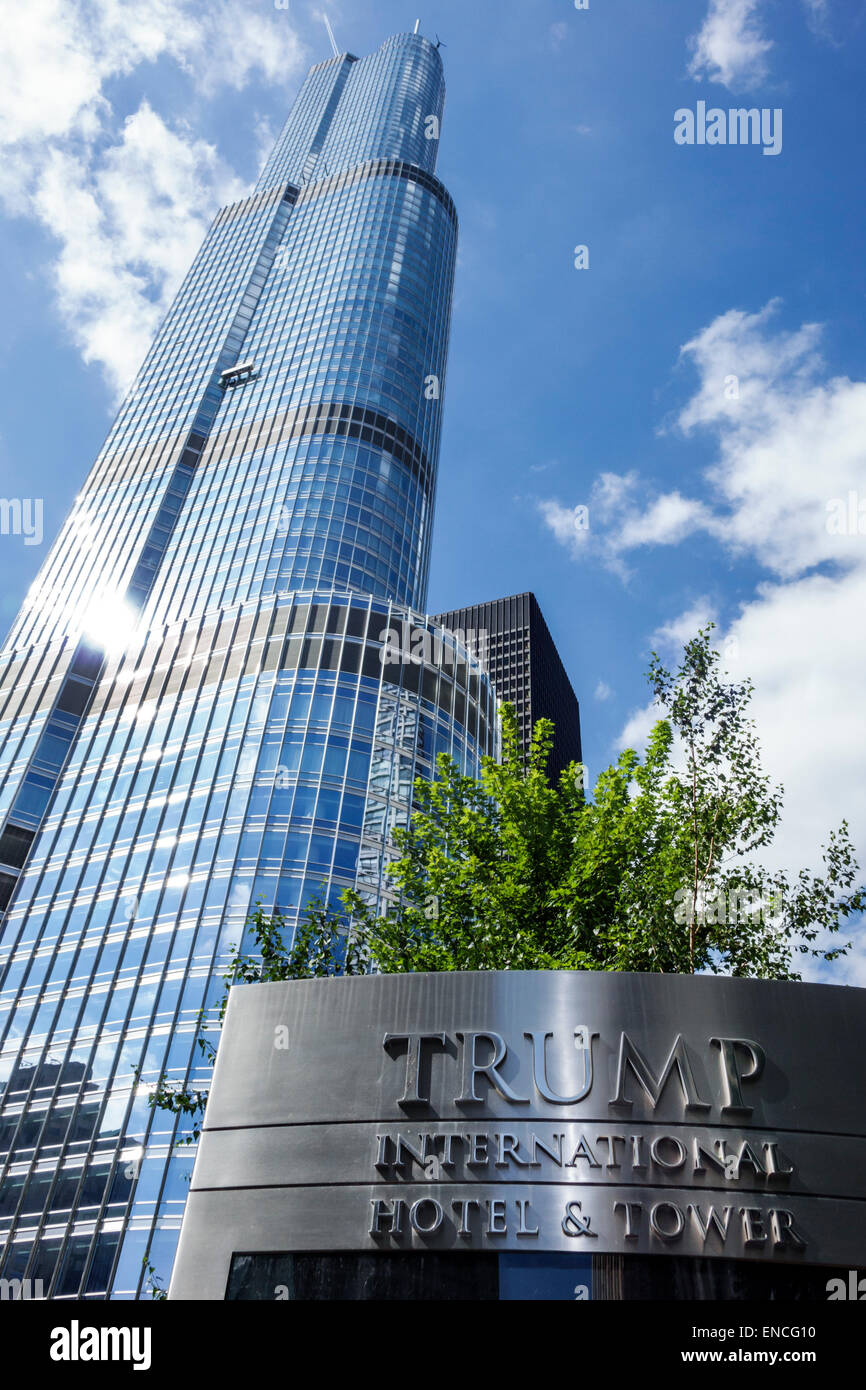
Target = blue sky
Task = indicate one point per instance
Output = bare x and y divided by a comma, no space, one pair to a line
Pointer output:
699,388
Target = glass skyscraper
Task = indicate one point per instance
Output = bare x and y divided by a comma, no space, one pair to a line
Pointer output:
526,670
199,707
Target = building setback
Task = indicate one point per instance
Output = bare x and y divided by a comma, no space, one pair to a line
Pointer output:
196,712
525,667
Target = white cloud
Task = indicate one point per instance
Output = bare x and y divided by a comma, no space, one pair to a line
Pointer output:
232,42
795,440
668,520
56,57
126,200
743,369
583,528
791,449
568,524
800,644
637,728
817,13
611,490
669,640
603,691
58,54
673,635
729,47
50,78
127,225
621,519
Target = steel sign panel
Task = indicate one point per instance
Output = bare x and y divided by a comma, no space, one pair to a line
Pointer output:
547,1111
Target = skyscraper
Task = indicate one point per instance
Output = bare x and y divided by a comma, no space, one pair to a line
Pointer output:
526,669
197,710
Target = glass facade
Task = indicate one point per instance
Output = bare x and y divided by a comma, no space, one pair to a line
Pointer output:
200,703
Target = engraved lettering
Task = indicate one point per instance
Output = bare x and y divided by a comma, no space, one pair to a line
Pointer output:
473,1068
678,1058
414,1057
583,1042
732,1077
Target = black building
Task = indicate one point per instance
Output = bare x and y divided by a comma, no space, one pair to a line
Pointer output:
526,668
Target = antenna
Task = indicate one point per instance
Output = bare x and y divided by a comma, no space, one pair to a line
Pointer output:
331,35
415,30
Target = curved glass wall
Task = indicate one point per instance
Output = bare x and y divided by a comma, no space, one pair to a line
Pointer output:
385,102
199,706
320,470
265,757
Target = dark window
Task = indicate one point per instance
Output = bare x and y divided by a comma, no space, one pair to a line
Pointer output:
15,845
74,696
391,1276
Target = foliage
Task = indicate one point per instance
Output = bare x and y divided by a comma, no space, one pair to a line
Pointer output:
653,873
152,1281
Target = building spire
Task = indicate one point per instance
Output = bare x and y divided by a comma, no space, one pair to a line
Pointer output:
331,35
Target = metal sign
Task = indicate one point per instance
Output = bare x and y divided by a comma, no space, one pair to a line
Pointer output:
533,1111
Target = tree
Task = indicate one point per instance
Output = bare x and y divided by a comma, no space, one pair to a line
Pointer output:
653,873
479,874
